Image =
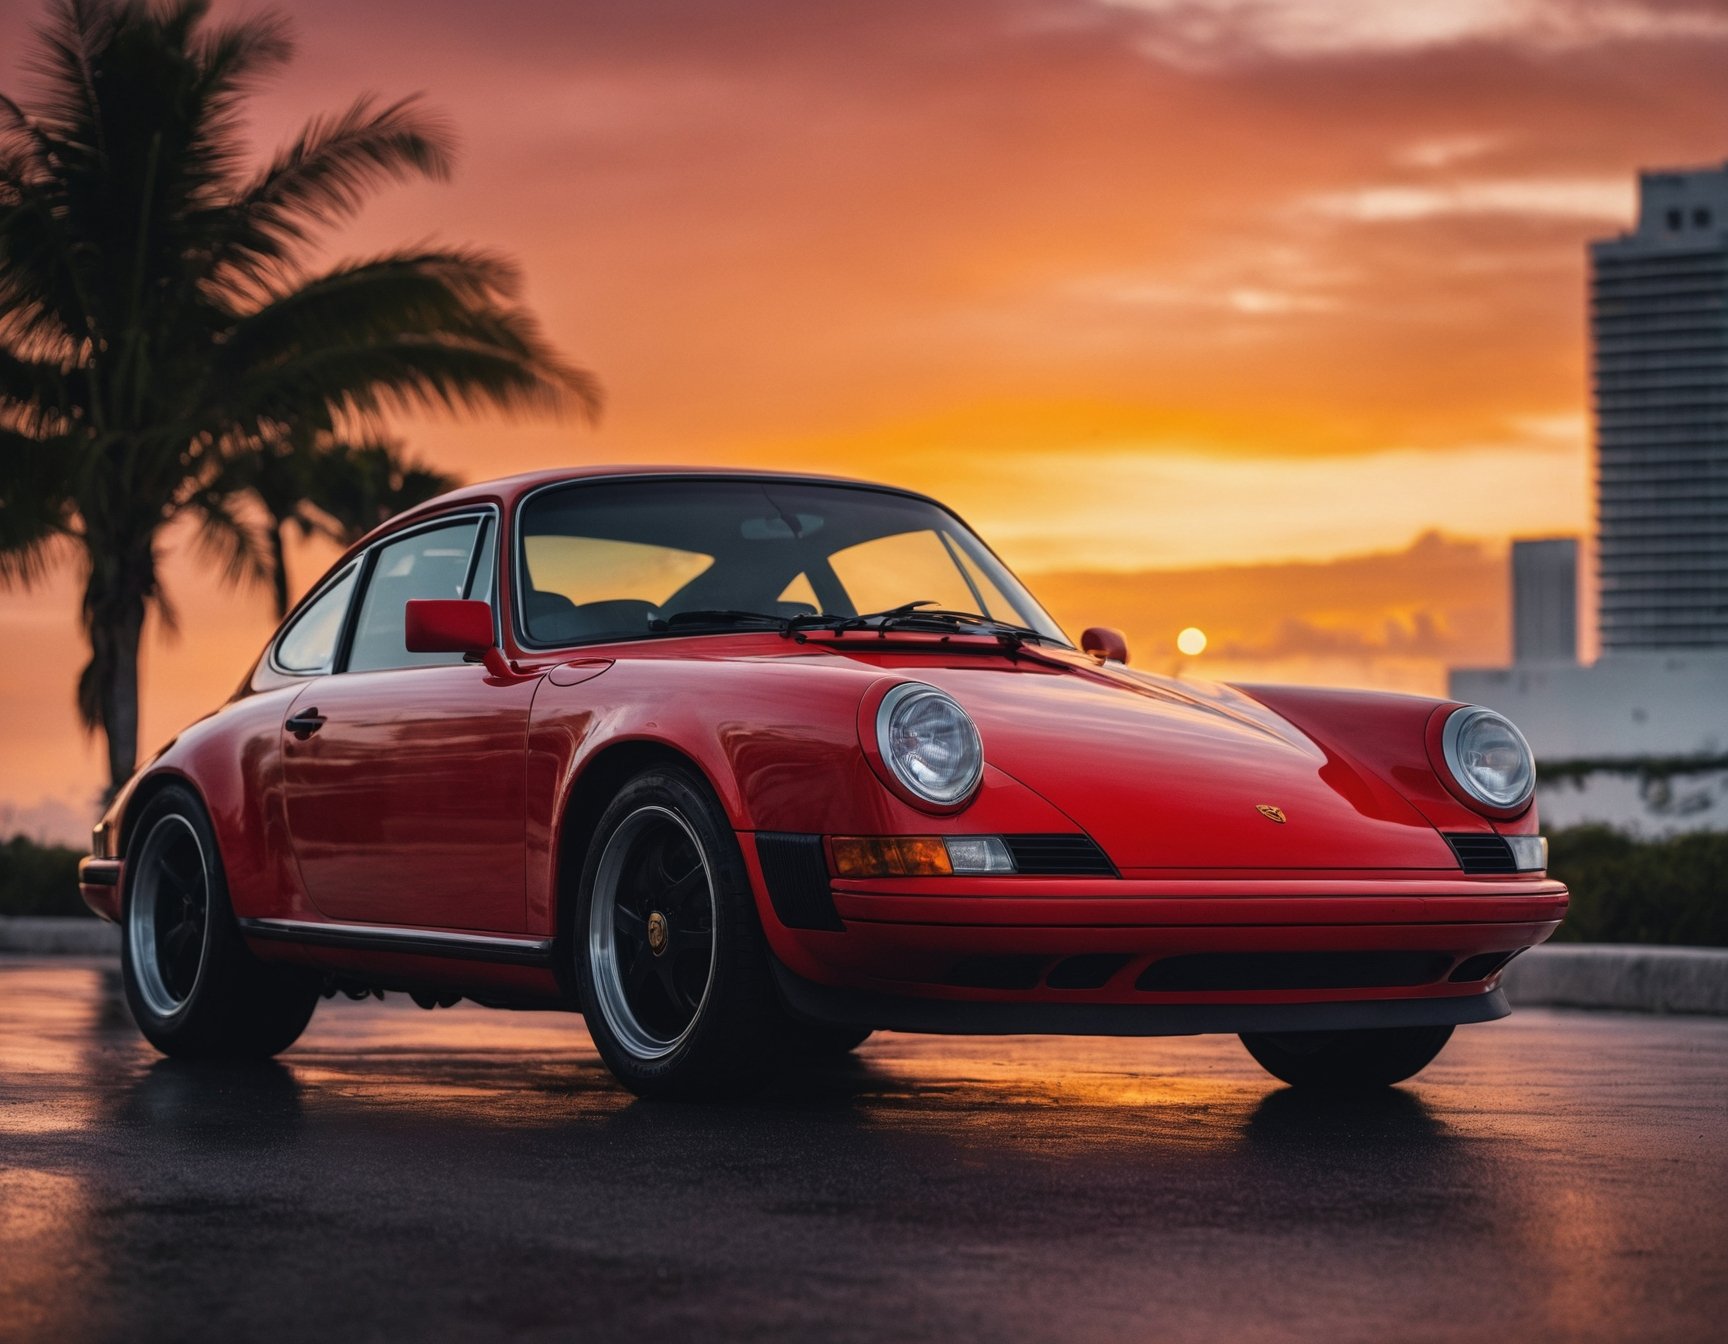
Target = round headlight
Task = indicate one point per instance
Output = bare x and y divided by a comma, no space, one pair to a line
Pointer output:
930,743
1489,757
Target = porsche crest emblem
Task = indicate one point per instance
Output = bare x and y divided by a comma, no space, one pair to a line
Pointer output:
1271,813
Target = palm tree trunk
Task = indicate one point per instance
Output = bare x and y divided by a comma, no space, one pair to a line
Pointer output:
278,568
116,597
119,690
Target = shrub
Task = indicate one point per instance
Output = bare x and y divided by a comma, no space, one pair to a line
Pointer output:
39,879
1631,890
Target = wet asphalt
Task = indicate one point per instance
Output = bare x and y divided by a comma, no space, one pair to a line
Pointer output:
474,1175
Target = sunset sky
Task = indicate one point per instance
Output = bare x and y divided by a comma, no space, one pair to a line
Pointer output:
1265,316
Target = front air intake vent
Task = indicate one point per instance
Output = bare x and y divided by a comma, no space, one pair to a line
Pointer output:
999,972
1058,856
796,874
1212,971
1481,853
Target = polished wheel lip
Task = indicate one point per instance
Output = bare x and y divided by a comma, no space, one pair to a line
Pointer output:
141,918
604,969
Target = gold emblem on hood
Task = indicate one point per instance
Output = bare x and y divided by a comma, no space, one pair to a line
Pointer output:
1271,813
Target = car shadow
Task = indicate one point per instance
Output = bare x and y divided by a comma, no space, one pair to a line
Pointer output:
241,1103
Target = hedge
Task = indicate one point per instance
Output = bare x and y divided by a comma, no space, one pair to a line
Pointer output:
1631,890
39,879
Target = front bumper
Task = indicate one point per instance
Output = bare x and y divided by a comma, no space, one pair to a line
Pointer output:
99,885
1163,955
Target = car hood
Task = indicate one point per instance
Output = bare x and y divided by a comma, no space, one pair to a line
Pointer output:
1171,775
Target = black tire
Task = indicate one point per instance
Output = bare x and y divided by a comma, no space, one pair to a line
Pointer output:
1376,1057
194,989
695,1015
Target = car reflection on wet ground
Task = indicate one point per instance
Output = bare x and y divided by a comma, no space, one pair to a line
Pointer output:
475,1175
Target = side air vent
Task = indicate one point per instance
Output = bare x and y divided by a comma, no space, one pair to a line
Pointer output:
1058,856
1481,853
796,872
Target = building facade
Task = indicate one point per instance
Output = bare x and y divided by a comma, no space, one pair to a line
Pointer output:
1545,600
1659,329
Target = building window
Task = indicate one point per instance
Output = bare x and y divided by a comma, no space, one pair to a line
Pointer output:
1701,217
1675,219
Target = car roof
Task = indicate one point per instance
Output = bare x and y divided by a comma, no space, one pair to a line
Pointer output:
507,490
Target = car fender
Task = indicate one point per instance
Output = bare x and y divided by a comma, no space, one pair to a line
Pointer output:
777,741
1388,734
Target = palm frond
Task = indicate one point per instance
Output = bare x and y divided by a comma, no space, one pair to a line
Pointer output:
239,549
409,373
357,301
327,172
435,326
36,395
37,508
233,57
358,485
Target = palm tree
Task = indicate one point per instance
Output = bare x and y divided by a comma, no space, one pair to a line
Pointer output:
320,485
158,322
356,486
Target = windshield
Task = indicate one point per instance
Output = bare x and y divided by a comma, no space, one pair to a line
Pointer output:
628,559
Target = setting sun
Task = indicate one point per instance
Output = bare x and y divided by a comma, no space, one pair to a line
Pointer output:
1192,641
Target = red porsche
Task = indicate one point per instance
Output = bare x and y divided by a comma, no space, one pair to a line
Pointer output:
743,766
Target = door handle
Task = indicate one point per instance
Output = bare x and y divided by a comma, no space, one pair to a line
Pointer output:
305,723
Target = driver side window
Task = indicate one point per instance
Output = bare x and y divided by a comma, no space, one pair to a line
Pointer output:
429,564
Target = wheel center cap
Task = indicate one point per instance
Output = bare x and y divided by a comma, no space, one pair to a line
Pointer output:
657,933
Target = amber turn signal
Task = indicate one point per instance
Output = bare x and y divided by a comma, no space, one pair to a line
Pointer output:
890,856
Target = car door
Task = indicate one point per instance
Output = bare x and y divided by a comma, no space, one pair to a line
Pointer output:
403,772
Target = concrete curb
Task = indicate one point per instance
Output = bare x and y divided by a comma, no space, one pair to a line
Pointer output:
58,937
1623,976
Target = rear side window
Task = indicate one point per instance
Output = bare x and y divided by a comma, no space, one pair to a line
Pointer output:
308,645
430,564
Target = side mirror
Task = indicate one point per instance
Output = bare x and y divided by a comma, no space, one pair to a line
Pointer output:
449,626
1104,643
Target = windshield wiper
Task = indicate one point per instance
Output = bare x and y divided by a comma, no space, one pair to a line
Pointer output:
923,616
926,616
728,618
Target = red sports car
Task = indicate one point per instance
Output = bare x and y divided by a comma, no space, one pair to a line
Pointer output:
745,766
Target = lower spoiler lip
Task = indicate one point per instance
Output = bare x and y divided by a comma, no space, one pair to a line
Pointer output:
971,1017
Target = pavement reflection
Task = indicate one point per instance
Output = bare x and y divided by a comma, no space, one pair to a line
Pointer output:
472,1174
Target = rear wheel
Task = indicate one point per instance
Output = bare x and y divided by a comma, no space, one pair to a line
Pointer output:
193,988
673,969
1377,1057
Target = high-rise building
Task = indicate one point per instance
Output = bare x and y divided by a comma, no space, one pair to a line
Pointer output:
1659,327
1545,600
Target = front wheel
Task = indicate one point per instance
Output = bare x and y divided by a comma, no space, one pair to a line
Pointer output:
1375,1057
194,989
673,968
